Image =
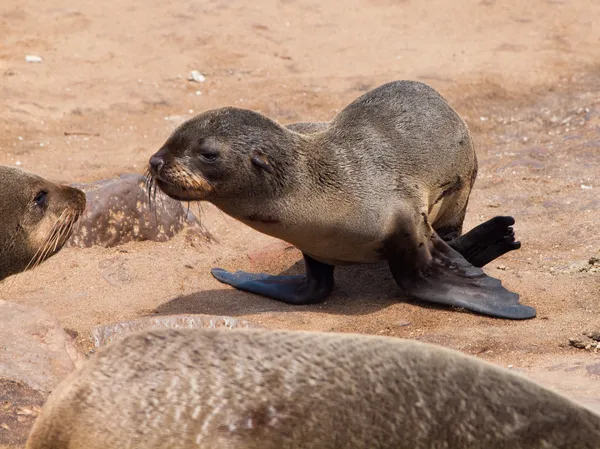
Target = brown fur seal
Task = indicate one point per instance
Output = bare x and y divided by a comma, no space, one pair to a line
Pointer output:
36,218
388,178
259,389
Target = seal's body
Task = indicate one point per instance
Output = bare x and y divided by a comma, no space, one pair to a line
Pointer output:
388,178
36,218
261,389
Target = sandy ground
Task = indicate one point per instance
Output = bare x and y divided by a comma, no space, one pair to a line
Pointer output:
113,83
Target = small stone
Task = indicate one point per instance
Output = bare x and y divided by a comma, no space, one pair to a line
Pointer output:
196,76
24,411
483,119
584,187
593,335
33,58
577,343
402,323
198,92
510,366
502,267
18,163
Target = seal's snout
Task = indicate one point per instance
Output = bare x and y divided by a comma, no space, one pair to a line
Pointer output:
80,200
156,164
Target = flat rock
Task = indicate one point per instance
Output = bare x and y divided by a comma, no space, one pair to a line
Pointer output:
19,407
109,333
118,211
34,349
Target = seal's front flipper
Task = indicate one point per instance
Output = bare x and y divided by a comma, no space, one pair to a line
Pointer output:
488,241
437,273
313,288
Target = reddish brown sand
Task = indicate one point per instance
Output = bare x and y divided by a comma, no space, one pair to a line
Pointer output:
114,74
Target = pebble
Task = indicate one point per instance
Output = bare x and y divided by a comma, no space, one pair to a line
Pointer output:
196,76
584,187
33,58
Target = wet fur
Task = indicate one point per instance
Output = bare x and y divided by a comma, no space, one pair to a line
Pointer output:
30,234
251,389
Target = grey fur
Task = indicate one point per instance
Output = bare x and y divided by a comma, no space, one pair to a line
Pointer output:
251,389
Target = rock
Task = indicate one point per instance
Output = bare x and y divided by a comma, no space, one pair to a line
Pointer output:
593,335
33,58
402,323
109,333
118,212
34,349
577,343
19,407
196,76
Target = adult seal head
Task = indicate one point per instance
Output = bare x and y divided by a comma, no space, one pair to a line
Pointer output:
263,389
36,219
388,178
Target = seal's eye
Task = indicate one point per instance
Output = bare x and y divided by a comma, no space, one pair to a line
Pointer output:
209,156
41,198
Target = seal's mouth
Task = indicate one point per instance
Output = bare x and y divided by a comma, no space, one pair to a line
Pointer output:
180,193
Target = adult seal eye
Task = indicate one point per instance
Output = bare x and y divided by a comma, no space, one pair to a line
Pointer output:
40,198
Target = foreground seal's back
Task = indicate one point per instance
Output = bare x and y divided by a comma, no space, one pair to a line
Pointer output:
242,389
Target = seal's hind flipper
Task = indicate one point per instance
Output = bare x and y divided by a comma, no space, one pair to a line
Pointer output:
313,288
441,275
488,241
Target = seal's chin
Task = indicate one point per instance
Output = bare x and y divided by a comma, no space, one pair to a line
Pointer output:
180,193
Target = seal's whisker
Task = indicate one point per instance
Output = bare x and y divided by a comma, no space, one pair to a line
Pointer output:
64,230
41,248
50,242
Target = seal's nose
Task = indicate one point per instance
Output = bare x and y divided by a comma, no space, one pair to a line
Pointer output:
156,163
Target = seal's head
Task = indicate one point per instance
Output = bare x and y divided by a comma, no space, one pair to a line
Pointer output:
222,154
36,218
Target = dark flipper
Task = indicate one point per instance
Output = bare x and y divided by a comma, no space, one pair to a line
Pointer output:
313,288
437,273
487,241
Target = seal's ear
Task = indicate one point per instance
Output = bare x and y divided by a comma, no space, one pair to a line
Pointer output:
259,159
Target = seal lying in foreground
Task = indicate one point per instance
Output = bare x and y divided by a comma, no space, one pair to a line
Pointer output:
262,389
388,178
36,219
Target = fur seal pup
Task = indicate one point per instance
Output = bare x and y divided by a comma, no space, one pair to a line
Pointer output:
388,178
36,219
251,389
